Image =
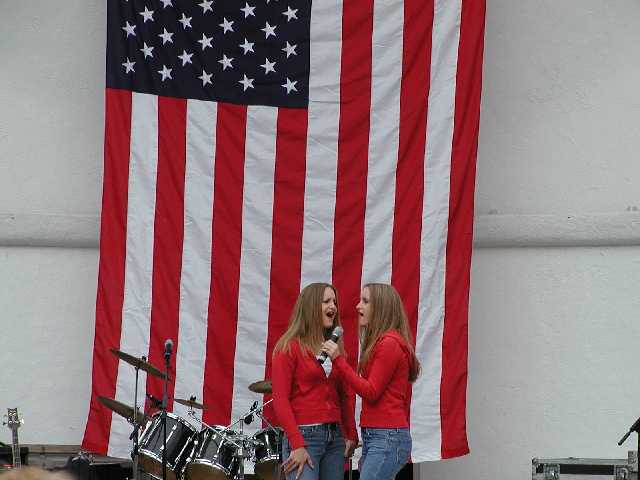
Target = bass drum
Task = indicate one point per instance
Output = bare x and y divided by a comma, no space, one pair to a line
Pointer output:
213,456
180,435
268,453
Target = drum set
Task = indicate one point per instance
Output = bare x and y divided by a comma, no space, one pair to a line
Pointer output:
188,448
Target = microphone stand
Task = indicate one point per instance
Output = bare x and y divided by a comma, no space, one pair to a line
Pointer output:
167,357
634,428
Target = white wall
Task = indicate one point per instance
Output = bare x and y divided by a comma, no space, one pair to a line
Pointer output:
553,326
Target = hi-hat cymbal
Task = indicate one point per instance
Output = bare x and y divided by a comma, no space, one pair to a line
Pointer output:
138,363
191,403
262,386
122,409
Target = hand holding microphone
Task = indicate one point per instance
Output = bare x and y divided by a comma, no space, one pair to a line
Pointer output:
330,347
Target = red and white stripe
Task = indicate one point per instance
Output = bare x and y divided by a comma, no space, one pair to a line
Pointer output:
214,215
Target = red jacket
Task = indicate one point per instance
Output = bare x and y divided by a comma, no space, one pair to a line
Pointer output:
384,385
304,395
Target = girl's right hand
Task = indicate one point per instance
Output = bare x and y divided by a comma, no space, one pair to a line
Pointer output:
297,459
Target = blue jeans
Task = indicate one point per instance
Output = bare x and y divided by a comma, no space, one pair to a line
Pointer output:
325,446
384,452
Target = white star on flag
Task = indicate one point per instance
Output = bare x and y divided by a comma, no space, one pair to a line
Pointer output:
185,57
246,82
147,15
247,46
130,29
128,65
248,10
166,36
226,25
268,66
290,49
226,62
290,14
166,3
206,78
185,21
205,42
147,50
206,6
290,86
269,30
165,72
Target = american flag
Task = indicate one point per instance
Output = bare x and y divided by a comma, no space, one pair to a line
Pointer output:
253,147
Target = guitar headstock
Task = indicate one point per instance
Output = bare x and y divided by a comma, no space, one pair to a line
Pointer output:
13,419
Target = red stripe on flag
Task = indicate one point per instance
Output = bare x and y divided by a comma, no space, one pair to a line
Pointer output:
288,219
110,296
353,143
225,265
460,237
414,92
407,220
168,235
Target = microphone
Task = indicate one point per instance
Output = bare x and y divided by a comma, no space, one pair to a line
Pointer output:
335,335
156,401
168,348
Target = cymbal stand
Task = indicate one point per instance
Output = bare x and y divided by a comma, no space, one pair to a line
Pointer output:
633,459
136,426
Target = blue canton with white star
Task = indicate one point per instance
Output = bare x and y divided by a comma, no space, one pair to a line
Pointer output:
251,52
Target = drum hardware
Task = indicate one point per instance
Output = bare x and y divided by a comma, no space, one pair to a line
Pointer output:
220,451
138,363
123,410
191,403
633,458
268,444
179,443
171,448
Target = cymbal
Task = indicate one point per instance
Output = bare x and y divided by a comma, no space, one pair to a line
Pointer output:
262,386
137,362
122,409
191,403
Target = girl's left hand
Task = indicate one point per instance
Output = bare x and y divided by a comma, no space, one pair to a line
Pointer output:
349,447
331,348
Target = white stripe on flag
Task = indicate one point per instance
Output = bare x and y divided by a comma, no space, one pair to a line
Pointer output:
388,16
195,278
136,308
425,420
255,258
384,130
322,142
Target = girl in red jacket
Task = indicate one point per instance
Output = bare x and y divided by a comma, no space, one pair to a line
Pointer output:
313,405
387,367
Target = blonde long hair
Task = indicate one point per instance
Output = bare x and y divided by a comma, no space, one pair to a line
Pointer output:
387,314
305,323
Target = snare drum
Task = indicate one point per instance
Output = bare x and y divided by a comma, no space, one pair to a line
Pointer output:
268,453
180,435
213,456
